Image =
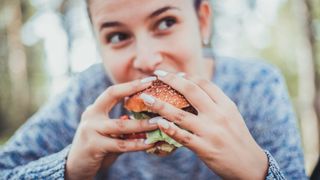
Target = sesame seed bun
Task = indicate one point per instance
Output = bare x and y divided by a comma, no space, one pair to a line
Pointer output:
159,90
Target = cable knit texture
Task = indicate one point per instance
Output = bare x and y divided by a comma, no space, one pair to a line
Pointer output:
39,149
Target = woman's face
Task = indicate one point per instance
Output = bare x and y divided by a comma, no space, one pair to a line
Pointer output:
138,37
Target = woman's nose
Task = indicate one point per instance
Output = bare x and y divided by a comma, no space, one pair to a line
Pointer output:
147,60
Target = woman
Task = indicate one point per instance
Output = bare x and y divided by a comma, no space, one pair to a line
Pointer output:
245,130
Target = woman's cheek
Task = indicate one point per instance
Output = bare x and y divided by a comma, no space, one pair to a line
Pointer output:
120,72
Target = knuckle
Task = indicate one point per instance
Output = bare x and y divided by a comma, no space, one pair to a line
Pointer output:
111,91
186,139
120,125
202,82
210,155
142,124
136,146
180,116
122,146
89,108
190,87
171,78
85,125
96,155
106,125
173,133
160,106
135,85
88,112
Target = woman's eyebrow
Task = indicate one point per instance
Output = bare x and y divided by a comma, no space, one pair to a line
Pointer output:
152,15
110,24
161,10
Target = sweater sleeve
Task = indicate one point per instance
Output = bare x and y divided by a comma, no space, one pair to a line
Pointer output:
273,124
39,148
48,167
274,171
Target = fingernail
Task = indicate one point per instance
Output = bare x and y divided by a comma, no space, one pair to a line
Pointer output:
147,99
160,73
163,123
147,141
181,74
155,120
148,79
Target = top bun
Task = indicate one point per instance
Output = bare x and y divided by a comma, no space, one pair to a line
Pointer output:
159,90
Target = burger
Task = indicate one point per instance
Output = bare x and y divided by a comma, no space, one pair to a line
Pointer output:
163,144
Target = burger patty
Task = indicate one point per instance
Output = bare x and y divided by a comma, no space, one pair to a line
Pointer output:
149,115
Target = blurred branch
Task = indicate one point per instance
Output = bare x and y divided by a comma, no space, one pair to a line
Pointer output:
311,33
65,7
307,85
17,62
17,68
4,84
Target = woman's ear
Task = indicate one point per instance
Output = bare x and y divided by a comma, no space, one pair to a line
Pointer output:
205,21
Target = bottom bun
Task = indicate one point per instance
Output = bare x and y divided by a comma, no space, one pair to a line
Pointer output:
161,149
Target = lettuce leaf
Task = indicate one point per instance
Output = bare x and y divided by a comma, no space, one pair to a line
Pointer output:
139,115
158,135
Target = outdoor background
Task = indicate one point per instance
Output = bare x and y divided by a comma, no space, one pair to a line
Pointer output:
45,42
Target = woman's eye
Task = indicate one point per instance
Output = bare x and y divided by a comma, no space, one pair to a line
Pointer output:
166,23
117,38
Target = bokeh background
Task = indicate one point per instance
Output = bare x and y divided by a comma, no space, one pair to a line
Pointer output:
45,42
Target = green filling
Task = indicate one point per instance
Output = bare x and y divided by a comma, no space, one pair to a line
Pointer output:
157,135
138,116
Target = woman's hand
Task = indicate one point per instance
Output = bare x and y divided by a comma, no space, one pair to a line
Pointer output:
94,145
218,134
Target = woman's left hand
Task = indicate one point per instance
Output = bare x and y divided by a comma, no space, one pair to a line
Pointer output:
218,134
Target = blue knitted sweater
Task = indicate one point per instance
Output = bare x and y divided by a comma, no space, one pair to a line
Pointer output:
39,149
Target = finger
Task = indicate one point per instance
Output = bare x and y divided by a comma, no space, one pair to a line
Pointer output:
182,136
215,93
182,118
114,93
110,145
194,94
119,127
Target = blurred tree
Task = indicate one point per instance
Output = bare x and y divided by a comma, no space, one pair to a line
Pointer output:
4,83
312,17
313,30
314,39
18,67
307,76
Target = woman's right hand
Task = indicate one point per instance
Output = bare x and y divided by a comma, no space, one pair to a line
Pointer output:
94,146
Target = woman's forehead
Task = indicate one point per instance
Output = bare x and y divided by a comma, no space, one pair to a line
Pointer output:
102,10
